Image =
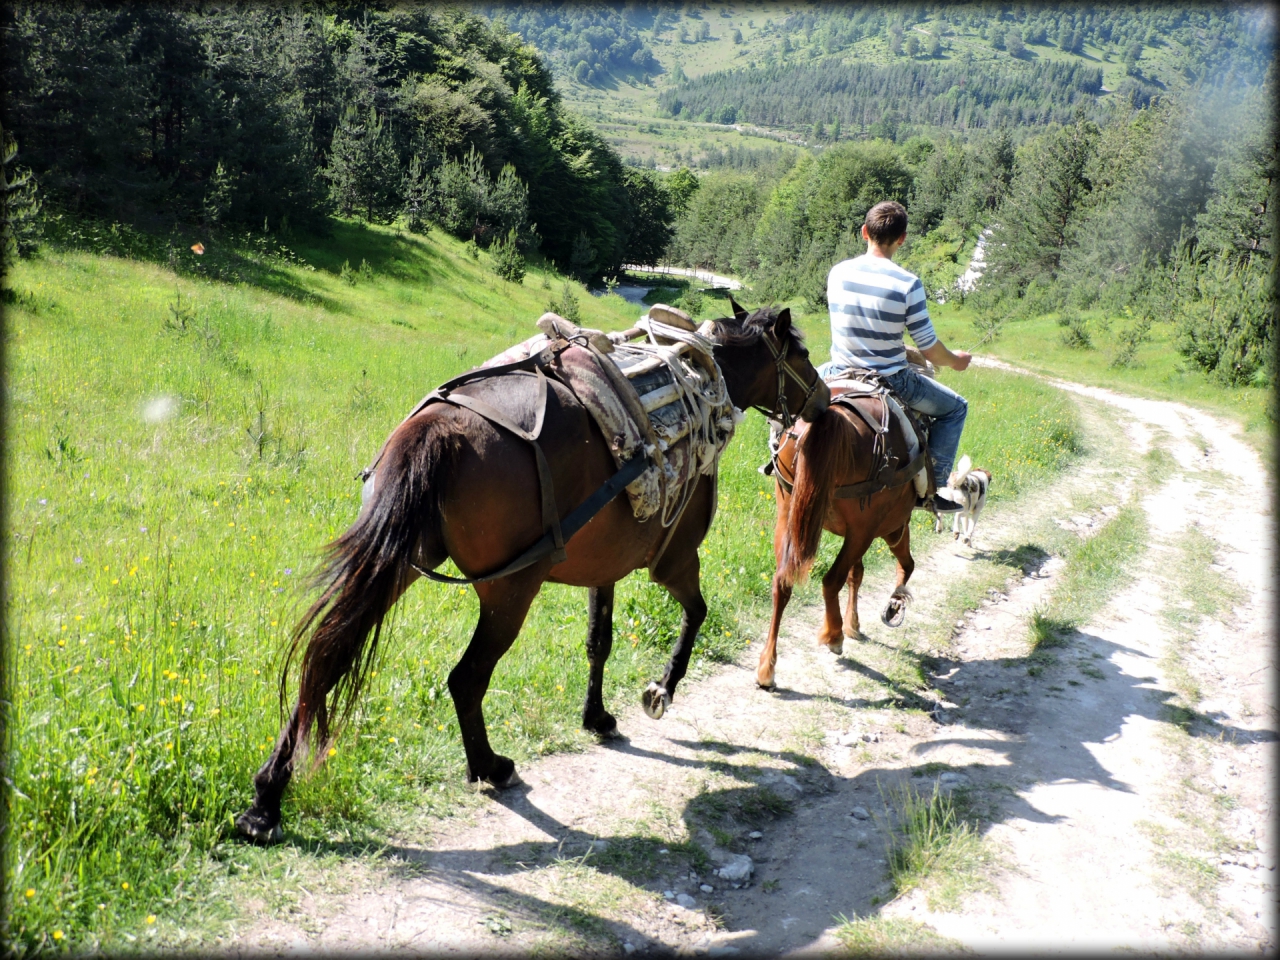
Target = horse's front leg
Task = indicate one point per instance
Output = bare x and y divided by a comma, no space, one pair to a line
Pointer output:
503,606
769,655
781,597
683,585
599,644
261,822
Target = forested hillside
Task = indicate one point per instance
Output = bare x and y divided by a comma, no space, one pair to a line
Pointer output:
828,72
859,98
274,118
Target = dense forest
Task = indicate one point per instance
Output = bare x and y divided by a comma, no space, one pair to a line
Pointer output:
861,99
1149,199
1210,40
587,41
273,118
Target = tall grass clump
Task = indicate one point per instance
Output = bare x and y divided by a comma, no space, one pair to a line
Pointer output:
933,846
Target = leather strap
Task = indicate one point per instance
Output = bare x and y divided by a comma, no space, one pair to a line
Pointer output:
882,481
575,521
550,513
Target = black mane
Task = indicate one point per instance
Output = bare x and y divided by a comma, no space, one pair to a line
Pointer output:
732,332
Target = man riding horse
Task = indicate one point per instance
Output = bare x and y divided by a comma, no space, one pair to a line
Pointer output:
872,300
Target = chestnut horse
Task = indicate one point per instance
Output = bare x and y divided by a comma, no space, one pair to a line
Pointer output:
834,450
452,484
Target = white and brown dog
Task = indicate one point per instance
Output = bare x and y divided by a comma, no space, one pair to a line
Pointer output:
967,486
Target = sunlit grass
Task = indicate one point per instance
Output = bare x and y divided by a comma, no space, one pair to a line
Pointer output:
1158,370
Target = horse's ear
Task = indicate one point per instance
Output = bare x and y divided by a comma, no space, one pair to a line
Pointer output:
782,325
739,314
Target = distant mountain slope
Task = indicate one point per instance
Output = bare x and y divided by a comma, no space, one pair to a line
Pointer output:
1142,50
859,95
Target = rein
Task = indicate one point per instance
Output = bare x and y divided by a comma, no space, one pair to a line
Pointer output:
780,411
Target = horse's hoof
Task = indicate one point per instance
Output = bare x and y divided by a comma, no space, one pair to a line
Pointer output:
767,687
503,774
894,613
605,727
258,826
836,647
655,700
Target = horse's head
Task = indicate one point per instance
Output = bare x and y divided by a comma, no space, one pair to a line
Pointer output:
766,364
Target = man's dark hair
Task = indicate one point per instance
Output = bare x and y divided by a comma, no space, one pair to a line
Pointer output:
886,221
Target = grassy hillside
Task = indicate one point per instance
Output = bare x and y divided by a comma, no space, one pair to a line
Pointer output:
177,450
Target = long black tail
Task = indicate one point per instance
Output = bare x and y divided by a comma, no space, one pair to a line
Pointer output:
362,574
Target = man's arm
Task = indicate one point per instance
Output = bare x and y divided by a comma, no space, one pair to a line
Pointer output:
938,354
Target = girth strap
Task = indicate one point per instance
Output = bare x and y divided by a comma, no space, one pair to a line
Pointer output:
882,481
574,522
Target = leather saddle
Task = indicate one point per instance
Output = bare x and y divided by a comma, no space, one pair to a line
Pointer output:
900,456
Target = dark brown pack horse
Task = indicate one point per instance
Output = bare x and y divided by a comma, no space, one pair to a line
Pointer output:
452,484
836,450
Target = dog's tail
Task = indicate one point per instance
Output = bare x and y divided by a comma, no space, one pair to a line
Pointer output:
961,471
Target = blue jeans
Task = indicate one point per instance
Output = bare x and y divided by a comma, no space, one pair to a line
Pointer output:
948,410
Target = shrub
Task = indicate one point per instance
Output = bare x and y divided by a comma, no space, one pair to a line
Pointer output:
1075,330
566,305
508,261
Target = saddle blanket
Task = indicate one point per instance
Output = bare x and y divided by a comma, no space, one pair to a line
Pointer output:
663,396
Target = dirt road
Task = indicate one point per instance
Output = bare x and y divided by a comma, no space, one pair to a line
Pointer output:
1119,784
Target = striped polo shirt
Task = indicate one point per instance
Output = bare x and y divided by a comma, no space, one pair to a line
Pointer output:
872,300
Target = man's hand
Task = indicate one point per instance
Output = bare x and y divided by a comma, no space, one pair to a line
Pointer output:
940,356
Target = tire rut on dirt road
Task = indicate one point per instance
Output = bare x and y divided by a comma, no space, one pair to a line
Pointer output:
1121,784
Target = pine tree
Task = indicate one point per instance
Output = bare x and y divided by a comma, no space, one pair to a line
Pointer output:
363,170
582,261
19,204
508,261
1038,217
417,194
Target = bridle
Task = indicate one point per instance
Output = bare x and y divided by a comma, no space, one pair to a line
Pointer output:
780,411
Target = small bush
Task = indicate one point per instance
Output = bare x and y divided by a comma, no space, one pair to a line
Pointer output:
691,303
566,305
1076,330
1131,338
508,261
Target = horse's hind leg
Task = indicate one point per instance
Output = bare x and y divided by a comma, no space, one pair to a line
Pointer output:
503,606
900,545
261,822
599,644
684,587
852,623
831,634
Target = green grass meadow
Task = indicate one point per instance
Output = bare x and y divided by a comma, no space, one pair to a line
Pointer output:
178,449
